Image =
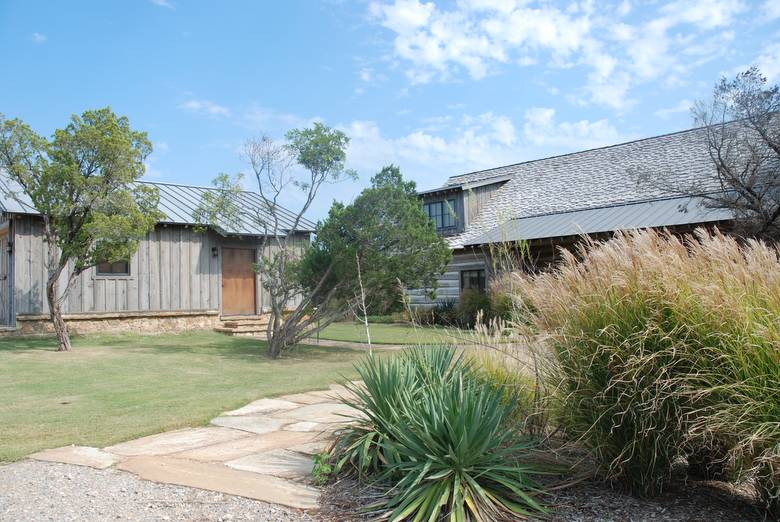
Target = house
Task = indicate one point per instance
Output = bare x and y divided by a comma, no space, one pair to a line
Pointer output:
180,278
552,202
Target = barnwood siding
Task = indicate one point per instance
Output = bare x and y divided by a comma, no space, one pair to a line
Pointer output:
477,198
172,270
449,282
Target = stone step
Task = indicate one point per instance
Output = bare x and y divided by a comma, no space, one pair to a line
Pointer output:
245,322
242,330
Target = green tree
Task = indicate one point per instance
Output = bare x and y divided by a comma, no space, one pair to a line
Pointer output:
386,235
82,182
320,154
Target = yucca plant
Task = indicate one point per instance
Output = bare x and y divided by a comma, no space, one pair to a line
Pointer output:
439,440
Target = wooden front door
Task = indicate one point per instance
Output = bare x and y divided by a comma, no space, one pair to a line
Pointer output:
238,281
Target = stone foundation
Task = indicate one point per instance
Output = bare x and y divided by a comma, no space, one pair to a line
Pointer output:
116,322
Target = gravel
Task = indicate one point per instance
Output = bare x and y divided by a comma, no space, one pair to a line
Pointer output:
33,491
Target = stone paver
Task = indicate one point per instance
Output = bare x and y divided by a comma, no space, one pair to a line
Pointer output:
309,398
327,412
264,406
261,451
304,426
248,445
175,441
217,477
252,423
280,463
79,455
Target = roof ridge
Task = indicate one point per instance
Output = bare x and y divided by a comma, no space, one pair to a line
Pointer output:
554,156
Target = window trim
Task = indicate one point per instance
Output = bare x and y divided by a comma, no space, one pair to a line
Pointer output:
104,275
448,208
482,278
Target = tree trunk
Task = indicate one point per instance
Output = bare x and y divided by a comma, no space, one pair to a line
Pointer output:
55,312
274,328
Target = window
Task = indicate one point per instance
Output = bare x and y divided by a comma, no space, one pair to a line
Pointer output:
115,268
442,213
472,280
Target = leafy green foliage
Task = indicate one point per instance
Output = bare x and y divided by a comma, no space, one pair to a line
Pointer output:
472,306
82,182
387,229
320,150
323,469
220,208
440,438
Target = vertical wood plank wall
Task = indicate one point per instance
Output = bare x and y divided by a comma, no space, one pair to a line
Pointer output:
173,270
477,198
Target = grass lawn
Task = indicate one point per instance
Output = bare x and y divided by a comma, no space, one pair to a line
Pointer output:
114,388
385,333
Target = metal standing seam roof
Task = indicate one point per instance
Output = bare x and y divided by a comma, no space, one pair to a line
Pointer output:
178,203
630,216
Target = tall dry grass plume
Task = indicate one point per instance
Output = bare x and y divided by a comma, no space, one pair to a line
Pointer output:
665,349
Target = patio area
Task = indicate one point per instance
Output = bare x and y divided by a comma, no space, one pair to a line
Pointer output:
262,451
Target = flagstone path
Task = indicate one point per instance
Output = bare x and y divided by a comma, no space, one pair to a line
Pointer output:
261,451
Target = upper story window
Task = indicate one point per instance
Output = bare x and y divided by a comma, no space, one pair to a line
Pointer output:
113,269
442,213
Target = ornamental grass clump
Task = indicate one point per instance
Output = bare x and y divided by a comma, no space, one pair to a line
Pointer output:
667,348
438,441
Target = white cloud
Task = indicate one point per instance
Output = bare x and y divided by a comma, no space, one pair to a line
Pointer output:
163,3
479,37
38,38
205,107
769,62
771,10
681,106
541,128
474,142
263,119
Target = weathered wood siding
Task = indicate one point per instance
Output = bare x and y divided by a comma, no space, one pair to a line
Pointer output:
449,282
173,269
6,283
477,198
299,242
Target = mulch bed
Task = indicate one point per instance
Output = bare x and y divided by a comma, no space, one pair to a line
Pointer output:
591,501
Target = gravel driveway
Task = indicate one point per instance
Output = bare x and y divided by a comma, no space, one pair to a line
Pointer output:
33,491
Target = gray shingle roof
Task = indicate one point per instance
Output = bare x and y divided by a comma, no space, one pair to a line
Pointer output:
591,179
644,214
178,204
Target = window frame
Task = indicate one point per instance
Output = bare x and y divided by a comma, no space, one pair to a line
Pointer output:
447,210
127,273
481,279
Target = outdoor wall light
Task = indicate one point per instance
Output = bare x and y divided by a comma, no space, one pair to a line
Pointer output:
214,252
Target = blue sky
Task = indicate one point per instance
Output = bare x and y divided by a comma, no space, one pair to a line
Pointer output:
439,88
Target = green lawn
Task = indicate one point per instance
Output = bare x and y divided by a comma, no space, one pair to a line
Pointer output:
385,333
115,388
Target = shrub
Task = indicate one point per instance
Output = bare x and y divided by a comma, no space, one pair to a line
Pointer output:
668,348
506,298
443,313
439,439
471,303
519,391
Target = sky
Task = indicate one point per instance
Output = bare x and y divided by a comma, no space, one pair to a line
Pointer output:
438,88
